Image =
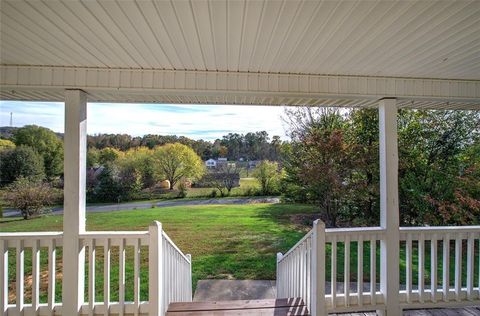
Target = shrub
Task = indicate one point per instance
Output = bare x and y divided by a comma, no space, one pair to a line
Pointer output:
30,197
182,190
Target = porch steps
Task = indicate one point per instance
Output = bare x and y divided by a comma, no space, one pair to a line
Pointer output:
267,307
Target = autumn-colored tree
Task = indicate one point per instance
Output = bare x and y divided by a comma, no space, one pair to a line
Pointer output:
319,162
177,161
29,196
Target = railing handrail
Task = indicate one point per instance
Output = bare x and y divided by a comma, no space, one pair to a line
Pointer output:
354,230
113,234
164,234
305,237
440,228
30,235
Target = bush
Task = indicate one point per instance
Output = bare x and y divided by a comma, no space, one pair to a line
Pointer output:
30,197
182,190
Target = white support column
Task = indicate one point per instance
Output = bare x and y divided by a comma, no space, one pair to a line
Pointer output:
318,306
389,210
155,270
75,144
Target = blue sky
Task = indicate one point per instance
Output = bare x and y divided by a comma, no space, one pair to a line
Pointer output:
195,121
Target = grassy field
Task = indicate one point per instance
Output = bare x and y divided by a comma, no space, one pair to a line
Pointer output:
226,242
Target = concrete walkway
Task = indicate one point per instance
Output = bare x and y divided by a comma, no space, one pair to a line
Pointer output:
145,205
228,290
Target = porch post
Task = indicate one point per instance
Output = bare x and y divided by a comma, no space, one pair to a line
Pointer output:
389,210
75,144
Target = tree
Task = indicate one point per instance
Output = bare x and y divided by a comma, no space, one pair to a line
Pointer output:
319,163
46,143
437,167
177,161
22,161
268,175
6,144
92,157
30,197
143,161
223,178
108,155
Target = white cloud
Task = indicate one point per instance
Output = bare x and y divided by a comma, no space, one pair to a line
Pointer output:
195,121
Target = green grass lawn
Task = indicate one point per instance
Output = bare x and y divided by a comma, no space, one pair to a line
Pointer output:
226,241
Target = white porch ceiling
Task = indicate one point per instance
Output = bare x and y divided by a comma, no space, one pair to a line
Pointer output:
394,39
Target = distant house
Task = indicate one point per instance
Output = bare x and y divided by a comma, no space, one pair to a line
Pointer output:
220,162
211,163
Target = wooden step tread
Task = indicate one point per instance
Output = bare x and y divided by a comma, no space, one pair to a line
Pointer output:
277,307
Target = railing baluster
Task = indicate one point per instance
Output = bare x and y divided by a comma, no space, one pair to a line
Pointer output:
421,267
360,270
3,276
333,277
36,276
309,271
408,251
446,267
136,277
19,284
458,268
121,276
177,283
91,276
470,262
52,257
373,271
346,284
294,272
289,271
302,277
106,276
433,268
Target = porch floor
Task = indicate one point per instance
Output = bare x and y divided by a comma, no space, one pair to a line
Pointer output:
465,311
265,307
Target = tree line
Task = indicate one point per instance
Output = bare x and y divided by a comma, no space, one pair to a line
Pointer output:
234,146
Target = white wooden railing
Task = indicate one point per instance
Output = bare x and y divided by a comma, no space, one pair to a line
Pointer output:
353,275
447,246
356,289
17,244
168,272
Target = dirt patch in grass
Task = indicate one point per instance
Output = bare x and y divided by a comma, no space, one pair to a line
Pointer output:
303,221
28,284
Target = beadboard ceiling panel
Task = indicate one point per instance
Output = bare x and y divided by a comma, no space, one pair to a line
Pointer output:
290,38
429,39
